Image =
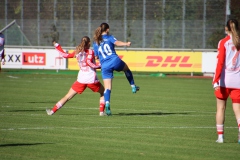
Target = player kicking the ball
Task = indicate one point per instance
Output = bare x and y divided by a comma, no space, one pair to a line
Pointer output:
87,76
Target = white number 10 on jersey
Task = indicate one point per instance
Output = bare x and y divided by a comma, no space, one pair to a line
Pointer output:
105,50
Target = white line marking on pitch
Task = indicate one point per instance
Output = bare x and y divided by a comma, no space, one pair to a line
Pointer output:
75,128
12,77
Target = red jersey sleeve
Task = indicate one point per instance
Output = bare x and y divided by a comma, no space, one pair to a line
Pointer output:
63,54
220,59
90,58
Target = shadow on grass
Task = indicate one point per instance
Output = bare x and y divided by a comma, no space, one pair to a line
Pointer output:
43,102
22,144
148,114
27,110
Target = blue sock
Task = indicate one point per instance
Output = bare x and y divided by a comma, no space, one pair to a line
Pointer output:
129,77
107,94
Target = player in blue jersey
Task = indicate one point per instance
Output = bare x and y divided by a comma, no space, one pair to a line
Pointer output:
104,49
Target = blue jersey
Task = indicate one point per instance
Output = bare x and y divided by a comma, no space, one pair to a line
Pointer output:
106,49
108,57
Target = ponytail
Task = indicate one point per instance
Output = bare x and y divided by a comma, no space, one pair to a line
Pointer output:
232,26
83,45
98,32
98,35
235,35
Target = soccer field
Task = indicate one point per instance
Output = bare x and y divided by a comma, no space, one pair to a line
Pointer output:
169,118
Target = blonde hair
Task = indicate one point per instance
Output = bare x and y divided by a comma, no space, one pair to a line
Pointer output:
232,26
85,44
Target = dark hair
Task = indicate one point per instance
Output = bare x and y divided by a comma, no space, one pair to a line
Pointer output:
98,32
232,25
83,45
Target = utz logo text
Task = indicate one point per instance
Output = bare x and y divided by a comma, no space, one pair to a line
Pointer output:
34,58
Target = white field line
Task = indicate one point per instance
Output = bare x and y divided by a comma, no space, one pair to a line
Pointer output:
83,128
12,77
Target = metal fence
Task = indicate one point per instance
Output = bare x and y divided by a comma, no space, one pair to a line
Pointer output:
183,24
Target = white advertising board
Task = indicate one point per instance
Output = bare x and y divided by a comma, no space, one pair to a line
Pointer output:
33,59
209,62
51,59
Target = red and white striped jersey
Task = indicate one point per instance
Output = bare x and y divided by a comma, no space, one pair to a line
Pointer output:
227,72
86,62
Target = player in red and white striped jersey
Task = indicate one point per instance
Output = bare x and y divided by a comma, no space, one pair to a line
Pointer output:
226,81
87,76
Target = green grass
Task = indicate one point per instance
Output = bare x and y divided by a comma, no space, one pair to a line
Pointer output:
169,118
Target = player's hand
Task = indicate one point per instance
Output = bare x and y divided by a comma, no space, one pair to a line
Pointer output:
99,67
54,42
3,63
217,88
128,44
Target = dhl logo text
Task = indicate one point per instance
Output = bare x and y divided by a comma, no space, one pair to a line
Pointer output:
169,61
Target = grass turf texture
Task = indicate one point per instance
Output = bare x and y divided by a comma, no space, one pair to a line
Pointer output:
169,118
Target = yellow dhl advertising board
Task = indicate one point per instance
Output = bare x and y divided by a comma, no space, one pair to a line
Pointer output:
157,61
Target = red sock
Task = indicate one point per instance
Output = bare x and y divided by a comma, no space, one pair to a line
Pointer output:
102,106
56,107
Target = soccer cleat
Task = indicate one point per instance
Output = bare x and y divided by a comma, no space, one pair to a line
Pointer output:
102,114
219,140
135,89
49,112
107,109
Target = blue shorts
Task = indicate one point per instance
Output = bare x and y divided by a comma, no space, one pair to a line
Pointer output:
110,65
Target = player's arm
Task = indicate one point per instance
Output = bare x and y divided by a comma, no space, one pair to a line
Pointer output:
220,63
120,43
90,58
63,53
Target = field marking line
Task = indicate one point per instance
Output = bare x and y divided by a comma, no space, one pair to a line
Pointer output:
81,128
12,77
